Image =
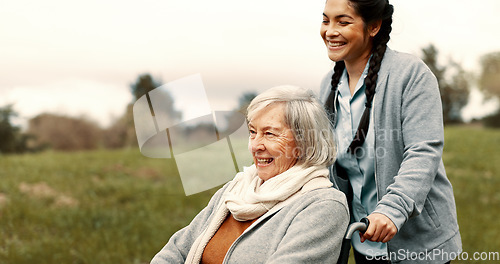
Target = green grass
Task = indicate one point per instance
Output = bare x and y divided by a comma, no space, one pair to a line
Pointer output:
472,161
124,207
120,207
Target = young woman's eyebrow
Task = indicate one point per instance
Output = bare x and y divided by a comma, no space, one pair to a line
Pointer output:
339,16
344,16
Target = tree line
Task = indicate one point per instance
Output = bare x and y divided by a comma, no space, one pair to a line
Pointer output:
68,133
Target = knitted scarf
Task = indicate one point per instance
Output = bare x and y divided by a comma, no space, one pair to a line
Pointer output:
248,197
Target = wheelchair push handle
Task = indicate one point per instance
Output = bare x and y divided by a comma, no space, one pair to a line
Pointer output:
360,226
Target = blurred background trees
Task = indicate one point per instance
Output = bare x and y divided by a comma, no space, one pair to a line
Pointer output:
11,138
144,84
453,85
489,80
122,132
66,133
489,83
63,133
244,101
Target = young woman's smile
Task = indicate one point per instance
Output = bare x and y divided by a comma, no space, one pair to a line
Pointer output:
344,33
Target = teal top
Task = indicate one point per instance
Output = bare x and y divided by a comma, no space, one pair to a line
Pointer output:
360,168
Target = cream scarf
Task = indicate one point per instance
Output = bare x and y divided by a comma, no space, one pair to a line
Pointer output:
248,197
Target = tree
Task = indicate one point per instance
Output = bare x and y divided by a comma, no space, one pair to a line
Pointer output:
489,80
237,116
144,84
489,84
244,101
454,90
11,138
7,131
122,132
64,133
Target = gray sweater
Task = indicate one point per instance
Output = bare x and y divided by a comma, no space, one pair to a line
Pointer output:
308,230
412,187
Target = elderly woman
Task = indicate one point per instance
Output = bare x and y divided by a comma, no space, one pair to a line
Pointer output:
282,209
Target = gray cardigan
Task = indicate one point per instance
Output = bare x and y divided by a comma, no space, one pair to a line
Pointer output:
412,187
308,230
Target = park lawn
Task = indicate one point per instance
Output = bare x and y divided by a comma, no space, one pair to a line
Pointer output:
120,207
90,207
472,160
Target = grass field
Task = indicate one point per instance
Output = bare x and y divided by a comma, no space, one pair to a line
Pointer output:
120,207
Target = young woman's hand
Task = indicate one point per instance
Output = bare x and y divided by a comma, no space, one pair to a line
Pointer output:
381,229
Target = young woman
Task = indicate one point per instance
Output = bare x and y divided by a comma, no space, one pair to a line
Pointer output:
386,109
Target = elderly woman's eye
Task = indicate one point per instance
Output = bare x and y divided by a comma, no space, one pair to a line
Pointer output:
252,132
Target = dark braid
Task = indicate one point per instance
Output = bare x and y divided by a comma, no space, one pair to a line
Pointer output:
370,84
337,73
370,11
379,48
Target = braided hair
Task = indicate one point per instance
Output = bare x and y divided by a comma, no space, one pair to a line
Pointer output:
370,11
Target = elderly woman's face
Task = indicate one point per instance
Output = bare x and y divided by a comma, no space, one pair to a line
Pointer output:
271,142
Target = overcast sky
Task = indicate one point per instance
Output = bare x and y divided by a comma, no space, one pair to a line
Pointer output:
79,57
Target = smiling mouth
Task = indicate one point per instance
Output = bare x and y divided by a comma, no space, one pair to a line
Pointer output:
264,161
335,44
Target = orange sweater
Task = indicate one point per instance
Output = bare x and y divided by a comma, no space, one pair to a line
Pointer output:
228,232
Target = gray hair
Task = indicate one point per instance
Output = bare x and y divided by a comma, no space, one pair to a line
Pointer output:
308,120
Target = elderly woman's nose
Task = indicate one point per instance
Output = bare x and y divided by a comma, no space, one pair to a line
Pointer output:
257,144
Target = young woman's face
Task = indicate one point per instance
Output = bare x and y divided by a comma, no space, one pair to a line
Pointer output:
271,142
343,32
